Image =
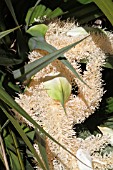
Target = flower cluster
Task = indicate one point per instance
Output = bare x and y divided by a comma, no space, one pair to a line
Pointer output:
49,113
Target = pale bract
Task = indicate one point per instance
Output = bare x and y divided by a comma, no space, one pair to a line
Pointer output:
84,156
108,132
58,89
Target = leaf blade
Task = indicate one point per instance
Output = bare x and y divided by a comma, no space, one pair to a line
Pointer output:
58,89
4,33
32,68
23,135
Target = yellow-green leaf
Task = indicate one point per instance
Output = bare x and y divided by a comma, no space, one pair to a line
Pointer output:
37,30
58,89
106,7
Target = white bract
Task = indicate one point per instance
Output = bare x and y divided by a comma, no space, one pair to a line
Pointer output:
58,89
108,132
76,32
84,156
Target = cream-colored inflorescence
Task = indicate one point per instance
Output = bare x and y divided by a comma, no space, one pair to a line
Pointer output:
50,114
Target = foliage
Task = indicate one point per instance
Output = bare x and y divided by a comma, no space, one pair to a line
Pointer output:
7,103
58,88
82,13
40,13
105,6
20,34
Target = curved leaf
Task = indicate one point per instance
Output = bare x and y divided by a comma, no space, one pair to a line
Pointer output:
23,135
4,96
29,70
58,89
37,30
39,13
10,6
85,1
4,33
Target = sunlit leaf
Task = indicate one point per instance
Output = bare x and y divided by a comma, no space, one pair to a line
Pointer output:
58,89
37,30
39,13
14,163
55,13
30,14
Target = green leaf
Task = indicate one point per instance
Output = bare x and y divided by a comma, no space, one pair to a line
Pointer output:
57,12
14,87
109,105
85,1
8,142
83,13
24,137
4,96
37,30
109,62
28,166
106,7
40,140
8,59
58,89
39,13
14,163
40,43
10,6
22,46
29,70
31,134
17,150
30,14
4,33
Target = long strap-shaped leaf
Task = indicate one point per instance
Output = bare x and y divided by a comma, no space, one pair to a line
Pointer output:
4,96
30,69
15,143
23,135
106,7
41,141
43,45
32,13
10,6
4,33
